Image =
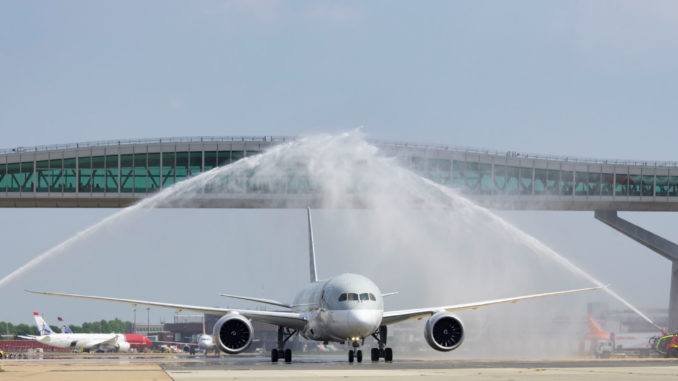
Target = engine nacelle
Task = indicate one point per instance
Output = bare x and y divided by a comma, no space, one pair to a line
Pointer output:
233,333
123,346
444,332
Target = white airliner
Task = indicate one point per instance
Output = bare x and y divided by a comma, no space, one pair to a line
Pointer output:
346,308
87,341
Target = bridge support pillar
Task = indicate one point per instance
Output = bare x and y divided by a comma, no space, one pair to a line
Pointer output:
661,246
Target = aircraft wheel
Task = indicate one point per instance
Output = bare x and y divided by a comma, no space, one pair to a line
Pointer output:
388,355
288,355
274,355
374,354
350,356
359,355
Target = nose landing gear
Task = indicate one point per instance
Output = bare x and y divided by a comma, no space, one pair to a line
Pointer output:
357,355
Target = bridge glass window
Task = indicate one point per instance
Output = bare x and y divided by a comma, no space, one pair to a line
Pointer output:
647,185
3,177
525,180
14,181
126,173
540,179
27,176
458,169
70,175
210,160
42,174
195,162
223,158
140,172
249,153
56,178
580,183
236,155
634,185
607,184
112,173
673,186
512,180
499,178
352,296
661,187
566,183
168,168
593,184
621,184
342,297
98,174
153,171
85,174
181,166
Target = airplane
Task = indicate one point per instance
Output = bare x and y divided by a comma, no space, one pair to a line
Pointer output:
63,326
205,341
346,308
87,341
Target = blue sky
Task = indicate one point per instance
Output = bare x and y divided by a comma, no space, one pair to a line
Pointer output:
562,77
581,78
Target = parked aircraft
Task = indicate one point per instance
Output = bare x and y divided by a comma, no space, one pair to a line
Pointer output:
63,326
88,341
346,308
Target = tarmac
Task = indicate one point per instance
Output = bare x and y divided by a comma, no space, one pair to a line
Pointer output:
305,367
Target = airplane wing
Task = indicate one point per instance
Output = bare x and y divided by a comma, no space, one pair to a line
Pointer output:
258,300
392,317
292,320
107,341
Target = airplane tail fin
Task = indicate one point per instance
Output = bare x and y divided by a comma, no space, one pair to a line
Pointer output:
311,249
43,327
63,326
596,331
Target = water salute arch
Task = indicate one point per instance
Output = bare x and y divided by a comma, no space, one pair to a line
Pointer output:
117,174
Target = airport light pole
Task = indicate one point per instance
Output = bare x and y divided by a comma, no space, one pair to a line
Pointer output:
134,327
148,320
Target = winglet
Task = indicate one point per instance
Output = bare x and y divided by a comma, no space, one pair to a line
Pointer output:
311,249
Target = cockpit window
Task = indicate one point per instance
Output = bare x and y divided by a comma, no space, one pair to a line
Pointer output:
353,296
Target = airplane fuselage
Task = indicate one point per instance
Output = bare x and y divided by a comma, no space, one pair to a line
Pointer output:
348,307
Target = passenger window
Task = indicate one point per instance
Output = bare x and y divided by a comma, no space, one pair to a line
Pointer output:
352,296
342,297
372,297
364,296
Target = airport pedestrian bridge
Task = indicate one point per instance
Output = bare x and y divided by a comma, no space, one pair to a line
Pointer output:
119,173
115,174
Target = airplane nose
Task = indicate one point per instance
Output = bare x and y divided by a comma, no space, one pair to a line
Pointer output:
362,321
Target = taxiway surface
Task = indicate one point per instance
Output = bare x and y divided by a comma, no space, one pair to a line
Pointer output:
181,367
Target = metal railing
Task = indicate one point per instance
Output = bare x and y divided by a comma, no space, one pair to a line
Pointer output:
282,139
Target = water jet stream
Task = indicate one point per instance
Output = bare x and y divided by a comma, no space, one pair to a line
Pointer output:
344,171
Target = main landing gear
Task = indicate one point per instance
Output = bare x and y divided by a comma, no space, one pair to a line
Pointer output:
381,352
284,334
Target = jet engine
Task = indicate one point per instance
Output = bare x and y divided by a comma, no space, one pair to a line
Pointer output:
233,333
122,346
444,332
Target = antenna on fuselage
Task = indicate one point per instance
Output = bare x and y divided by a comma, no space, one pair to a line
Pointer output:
311,249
